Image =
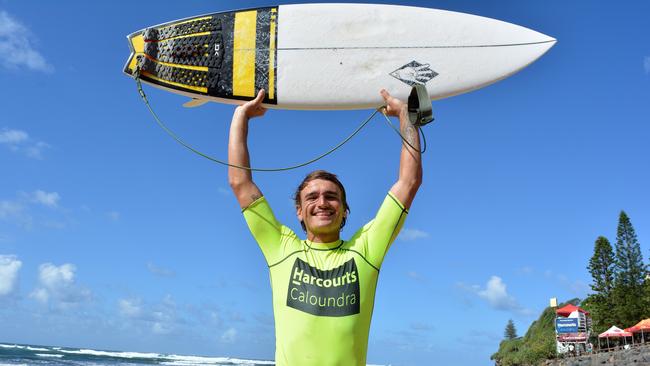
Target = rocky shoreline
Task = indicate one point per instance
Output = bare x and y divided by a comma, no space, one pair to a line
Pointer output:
637,356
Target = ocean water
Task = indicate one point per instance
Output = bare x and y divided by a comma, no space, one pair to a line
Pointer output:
27,355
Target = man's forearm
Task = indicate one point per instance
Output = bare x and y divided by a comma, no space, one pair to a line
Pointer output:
410,158
410,167
238,149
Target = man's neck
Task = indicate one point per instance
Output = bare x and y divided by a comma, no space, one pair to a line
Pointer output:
323,237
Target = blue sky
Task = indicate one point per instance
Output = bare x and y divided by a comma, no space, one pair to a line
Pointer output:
112,236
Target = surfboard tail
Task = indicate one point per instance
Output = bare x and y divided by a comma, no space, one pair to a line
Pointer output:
136,45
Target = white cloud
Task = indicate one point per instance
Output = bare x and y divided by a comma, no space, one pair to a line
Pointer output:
646,64
526,270
164,316
57,283
45,198
19,141
40,295
416,276
23,209
113,215
496,295
52,276
160,271
229,336
161,328
13,137
422,326
9,267
16,211
160,319
35,151
130,308
16,48
412,234
9,209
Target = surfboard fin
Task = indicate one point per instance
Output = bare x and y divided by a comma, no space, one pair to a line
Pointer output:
419,106
195,102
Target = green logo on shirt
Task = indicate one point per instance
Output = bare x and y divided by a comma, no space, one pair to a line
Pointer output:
334,292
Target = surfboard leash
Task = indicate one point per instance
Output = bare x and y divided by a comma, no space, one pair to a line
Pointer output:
397,131
136,76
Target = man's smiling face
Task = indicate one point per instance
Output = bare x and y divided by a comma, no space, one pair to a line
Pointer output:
321,208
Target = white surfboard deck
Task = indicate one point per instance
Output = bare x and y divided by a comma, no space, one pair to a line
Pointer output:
341,55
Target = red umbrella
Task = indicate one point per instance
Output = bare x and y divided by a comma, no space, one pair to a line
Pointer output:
614,332
641,326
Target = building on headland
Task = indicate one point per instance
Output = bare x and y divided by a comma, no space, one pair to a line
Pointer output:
572,330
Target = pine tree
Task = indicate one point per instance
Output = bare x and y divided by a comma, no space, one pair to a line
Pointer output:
646,315
511,331
601,267
630,275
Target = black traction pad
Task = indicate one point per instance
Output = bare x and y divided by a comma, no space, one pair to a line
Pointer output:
207,42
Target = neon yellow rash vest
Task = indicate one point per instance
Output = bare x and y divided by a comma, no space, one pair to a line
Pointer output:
323,293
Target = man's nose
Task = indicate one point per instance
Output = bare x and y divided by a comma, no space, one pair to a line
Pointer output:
321,200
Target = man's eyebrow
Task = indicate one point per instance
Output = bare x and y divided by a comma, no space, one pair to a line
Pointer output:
311,193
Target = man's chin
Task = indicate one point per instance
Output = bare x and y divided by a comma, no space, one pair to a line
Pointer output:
324,229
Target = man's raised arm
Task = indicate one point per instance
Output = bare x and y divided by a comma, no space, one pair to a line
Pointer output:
410,164
241,180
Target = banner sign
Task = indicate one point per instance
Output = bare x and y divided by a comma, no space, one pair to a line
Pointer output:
566,325
572,337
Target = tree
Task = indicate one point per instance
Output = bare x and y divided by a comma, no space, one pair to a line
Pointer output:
511,331
601,302
601,267
630,274
647,296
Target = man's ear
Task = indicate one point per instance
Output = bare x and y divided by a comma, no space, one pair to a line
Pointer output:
299,213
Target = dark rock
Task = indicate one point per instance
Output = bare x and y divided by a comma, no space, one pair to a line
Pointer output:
637,356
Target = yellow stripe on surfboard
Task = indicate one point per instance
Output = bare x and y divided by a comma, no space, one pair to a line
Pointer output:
200,89
271,91
243,58
186,67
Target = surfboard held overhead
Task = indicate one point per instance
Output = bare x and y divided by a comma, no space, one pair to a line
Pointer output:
330,56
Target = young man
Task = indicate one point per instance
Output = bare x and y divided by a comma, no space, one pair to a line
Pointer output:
323,287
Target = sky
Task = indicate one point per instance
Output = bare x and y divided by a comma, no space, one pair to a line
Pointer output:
112,236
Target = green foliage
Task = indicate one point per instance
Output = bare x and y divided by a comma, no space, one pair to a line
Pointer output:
628,292
646,314
537,345
601,303
601,267
511,331
601,311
